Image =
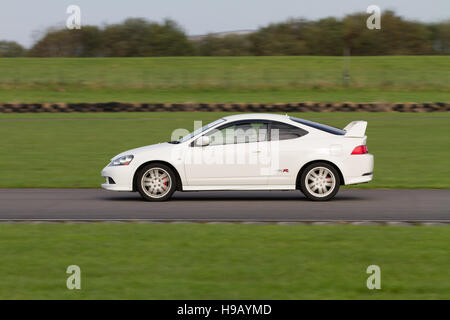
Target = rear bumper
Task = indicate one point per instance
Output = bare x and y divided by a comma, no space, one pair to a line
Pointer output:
359,169
356,180
122,177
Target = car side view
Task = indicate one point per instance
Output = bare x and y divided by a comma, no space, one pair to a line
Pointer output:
248,152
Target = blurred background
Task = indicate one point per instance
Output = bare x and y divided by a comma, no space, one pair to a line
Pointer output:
335,58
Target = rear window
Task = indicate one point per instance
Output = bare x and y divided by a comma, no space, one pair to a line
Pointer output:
320,126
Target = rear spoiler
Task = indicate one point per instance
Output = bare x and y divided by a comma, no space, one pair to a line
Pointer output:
355,129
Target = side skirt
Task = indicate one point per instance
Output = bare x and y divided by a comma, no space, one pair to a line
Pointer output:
238,187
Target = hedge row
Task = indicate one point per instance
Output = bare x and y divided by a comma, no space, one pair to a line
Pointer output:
232,107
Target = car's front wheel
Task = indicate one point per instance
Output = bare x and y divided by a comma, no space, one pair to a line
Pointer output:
320,181
156,182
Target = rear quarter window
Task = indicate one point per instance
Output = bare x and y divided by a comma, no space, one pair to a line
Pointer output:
283,131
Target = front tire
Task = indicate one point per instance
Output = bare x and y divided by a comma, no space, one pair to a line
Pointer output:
156,182
320,181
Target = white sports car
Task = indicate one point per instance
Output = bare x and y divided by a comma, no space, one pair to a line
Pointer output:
248,152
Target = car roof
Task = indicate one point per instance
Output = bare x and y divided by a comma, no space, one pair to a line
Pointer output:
262,116
303,123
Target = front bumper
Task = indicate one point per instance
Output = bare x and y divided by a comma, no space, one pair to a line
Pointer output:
121,178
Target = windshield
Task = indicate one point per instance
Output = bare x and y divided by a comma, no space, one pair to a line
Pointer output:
200,130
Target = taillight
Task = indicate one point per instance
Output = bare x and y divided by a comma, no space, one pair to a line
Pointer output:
360,150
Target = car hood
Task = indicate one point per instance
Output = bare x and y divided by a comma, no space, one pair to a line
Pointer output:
152,147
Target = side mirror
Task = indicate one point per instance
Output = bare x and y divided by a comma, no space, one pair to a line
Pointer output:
202,141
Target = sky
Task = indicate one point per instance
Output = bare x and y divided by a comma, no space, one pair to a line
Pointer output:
25,20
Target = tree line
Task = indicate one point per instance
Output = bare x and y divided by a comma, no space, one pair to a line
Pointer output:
331,36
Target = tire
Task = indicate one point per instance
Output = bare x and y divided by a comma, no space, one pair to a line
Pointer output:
320,181
156,182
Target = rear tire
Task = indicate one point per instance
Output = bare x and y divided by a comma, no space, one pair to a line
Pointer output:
156,182
320,181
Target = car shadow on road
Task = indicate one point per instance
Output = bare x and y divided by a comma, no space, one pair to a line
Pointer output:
233,196
260,198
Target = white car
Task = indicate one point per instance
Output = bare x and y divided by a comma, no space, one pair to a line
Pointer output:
248,152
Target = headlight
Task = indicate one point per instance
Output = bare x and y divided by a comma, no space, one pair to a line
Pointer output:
122,161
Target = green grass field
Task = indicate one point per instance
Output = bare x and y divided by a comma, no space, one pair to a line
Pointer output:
225,79
141,261
50,150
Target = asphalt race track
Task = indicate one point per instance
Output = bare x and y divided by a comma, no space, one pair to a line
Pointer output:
349,205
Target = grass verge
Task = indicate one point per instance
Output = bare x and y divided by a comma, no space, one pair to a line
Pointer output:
411,150
141,261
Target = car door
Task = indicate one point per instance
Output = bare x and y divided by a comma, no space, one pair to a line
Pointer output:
286,150
232,157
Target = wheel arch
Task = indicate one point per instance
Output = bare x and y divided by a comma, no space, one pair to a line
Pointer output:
302,169
177,174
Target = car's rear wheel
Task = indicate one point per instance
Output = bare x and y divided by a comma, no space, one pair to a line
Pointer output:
156,182
320,181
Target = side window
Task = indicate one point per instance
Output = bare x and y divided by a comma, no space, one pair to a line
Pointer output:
282,131
243,132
